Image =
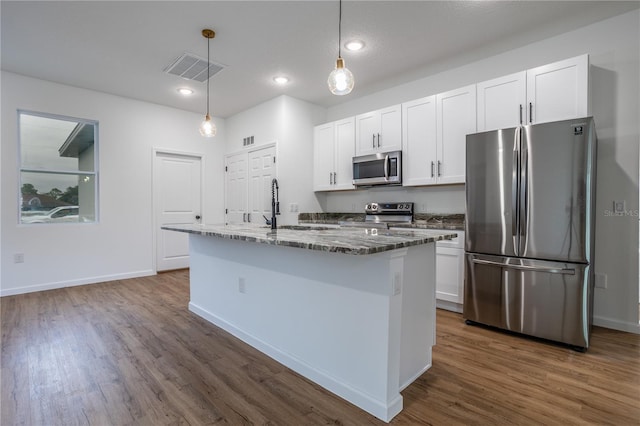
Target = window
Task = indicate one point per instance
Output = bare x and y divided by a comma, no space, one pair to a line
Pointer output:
58,169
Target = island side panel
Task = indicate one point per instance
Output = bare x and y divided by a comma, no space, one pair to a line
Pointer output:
418,313
334,318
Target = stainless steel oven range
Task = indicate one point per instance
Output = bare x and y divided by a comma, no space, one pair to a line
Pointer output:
384,215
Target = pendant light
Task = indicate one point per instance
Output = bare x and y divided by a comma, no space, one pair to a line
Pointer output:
341,79
207,127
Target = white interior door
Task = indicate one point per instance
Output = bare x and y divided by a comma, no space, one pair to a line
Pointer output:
236,188
262,169
177,193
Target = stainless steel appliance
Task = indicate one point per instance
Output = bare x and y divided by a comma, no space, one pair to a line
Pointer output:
383,215
378,169
530,194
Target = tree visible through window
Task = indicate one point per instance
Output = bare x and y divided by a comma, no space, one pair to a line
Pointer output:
58,168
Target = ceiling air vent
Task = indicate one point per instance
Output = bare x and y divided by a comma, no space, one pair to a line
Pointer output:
191,67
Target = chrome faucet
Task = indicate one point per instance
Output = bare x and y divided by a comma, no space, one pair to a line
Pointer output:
275,203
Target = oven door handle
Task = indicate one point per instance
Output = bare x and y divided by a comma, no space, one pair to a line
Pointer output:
386,167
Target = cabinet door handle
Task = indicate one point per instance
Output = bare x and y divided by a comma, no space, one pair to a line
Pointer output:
244,217
530,112
432,165
439,164
330,178
378,140
248,217
520,113
335,179
373,140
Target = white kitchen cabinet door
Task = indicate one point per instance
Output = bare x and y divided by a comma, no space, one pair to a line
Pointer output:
344,149
333,150
502,101
558,91
419,153
450,270
323,156
456,117
390,135
450,274
367,126
379,131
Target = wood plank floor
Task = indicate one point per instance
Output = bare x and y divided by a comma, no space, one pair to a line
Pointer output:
130,353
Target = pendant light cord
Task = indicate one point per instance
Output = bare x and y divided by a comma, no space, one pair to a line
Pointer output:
339,29
208,67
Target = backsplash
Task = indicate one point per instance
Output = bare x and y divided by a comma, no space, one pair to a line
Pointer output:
454,221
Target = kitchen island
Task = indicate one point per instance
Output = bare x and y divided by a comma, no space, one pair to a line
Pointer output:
351,309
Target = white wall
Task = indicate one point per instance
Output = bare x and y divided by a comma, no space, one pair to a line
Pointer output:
613,46
121,244
288,122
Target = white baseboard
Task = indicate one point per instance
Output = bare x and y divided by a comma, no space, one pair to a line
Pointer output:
449,306
378,408
615,324
73,283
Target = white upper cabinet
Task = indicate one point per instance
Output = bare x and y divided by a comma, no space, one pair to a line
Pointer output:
558,91
419,145
456,118
333,150
379,131
345,148
502,102
323,156
552,92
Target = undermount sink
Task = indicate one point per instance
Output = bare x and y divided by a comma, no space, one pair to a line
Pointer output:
302,227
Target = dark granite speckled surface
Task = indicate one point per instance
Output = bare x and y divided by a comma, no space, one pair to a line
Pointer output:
454,221
357,241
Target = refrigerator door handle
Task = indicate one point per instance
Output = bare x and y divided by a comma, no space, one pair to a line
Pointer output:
524,197
515,184
564,271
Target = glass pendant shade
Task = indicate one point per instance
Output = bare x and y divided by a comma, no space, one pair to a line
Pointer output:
207,127
341,79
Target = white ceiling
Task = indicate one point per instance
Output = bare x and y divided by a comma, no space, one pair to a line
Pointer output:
122,47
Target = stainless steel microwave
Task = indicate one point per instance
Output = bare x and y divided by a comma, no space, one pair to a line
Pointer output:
384,168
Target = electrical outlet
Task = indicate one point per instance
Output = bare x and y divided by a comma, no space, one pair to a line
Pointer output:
18,258
601,281
242,287
293,207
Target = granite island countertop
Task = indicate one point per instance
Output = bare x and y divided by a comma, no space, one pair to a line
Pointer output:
356,241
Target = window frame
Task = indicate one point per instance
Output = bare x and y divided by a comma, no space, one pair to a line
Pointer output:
94,174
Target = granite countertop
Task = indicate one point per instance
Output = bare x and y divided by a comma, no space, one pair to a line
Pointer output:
447,221
357,241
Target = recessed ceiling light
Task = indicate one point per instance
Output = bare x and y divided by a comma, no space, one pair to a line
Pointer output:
185,91
354,45
281,79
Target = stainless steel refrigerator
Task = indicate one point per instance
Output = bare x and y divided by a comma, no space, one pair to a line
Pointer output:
530,194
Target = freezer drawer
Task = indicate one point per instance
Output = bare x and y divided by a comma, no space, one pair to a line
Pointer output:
550,300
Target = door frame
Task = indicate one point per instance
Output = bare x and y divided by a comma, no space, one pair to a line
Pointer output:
154,194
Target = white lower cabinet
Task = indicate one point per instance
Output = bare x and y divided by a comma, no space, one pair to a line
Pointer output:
450,273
